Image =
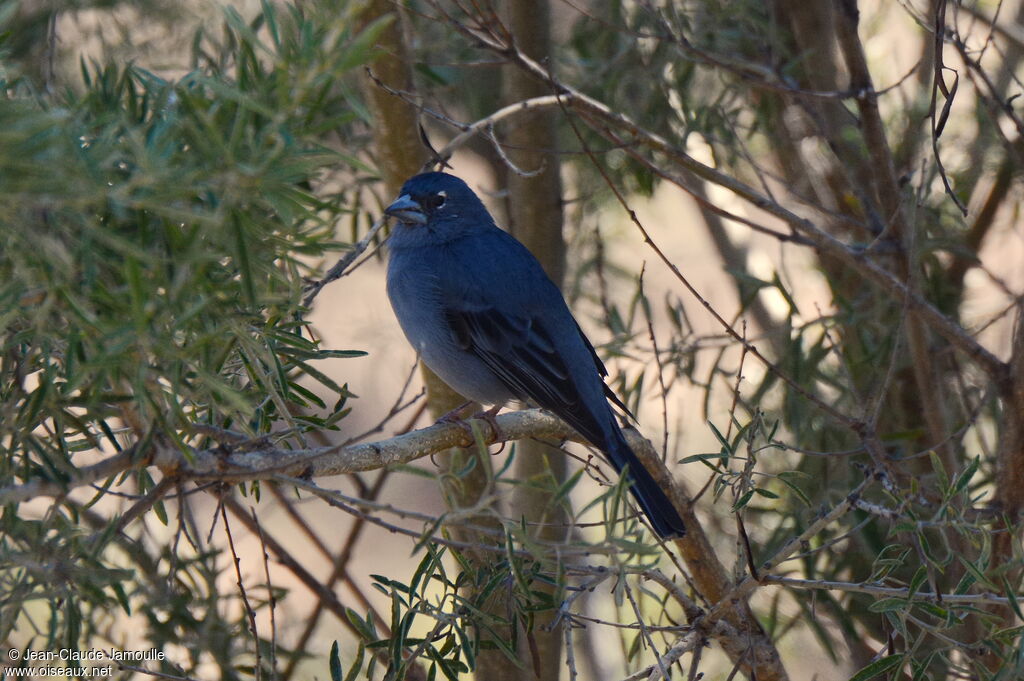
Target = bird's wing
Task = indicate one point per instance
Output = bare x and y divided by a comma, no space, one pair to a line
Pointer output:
520,352
502,308
603,372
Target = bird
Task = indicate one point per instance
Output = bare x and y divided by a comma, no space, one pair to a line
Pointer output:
484,316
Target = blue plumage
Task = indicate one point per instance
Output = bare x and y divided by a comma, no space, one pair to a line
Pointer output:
484,316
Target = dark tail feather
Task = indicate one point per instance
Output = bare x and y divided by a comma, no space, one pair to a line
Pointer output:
648,493
609,439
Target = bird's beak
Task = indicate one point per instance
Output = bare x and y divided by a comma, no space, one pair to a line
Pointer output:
407,211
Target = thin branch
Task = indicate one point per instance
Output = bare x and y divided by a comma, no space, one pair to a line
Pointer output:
484,125
144,504
38,487
249,612
354,506
660,369
688,643
892,592
338,571
570,651
1012,32
271,599
645,633
283,556
153,672
749,584
340,267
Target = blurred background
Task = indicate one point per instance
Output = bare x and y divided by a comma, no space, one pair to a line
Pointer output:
791,230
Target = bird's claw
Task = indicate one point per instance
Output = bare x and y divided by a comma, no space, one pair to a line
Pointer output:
455,417
491,416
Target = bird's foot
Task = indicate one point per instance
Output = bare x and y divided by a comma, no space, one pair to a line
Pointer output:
456,417
491,416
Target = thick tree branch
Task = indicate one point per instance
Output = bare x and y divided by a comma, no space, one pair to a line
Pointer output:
229,463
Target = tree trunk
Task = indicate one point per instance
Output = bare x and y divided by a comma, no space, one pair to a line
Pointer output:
535,218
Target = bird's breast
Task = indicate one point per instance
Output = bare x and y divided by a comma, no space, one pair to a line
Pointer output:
417,297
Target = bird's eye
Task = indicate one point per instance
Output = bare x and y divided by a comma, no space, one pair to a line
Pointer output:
436,201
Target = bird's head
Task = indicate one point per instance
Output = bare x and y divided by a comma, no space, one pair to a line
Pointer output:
440,204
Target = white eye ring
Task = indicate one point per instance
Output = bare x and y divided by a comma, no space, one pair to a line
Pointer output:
434,201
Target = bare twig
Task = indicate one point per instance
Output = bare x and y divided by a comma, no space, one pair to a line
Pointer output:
249,612
660,662
570,651
663,389
688,643
749,584
271,598
485,125
339,269
339,569
153,672
892,592
282,555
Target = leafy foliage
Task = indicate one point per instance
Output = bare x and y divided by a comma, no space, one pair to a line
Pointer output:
157,235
